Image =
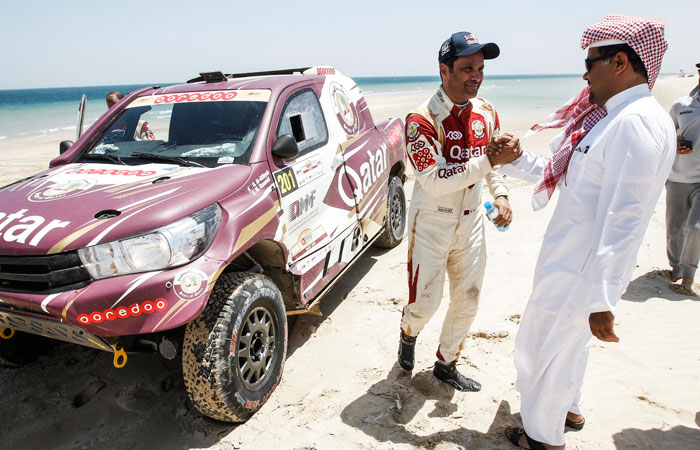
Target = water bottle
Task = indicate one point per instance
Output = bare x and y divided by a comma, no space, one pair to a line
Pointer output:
492,212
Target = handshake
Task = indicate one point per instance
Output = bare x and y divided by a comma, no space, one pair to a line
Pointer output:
504,148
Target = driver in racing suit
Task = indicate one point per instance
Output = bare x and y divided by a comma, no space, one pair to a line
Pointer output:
446,141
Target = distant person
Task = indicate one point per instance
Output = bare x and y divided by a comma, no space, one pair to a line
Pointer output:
682,74
610,164
113,97
446,140
683,195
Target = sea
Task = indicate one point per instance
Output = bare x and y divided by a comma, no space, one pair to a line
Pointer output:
38,115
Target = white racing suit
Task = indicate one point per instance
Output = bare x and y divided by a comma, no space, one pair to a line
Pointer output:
447,147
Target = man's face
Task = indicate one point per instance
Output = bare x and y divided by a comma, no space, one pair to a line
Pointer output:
600,78
462,83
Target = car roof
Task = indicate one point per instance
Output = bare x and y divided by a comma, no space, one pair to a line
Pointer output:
274,80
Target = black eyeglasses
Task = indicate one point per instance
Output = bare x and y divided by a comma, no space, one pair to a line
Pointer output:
589,62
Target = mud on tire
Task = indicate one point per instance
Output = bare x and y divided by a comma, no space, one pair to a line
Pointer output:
233,353
395,220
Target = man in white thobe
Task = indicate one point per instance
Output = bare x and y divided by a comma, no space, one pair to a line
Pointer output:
610,164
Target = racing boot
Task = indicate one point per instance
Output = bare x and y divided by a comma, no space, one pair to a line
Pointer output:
448,373
407,347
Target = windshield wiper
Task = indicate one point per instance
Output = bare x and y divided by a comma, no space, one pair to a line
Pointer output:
103,157
173,159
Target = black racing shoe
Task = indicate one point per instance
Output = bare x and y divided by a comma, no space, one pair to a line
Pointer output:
449,374
407,347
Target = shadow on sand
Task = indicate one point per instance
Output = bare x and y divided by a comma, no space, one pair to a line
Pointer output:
652,285
385,413
676,438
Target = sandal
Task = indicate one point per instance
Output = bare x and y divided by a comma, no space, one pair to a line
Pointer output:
684,289
514,439
575,425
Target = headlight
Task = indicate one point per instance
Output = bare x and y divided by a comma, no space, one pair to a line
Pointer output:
168,246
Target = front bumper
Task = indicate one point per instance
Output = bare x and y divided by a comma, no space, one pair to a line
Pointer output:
51,328
127,305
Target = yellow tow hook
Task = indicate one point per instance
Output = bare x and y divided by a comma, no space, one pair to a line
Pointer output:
6,333
119,355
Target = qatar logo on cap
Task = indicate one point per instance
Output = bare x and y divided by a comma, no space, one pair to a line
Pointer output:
445,48
471,39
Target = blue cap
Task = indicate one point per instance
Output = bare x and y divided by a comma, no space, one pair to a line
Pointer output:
464,43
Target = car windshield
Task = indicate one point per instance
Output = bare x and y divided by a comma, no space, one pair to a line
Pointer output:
196,128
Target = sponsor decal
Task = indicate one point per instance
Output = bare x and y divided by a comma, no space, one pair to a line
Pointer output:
23,227
126,173
347,115
259,183
394,135
471,39
207,96
135,309
454,169
307,171
412,131
286,181
195,97
65,189
445,48
325,71
442,209
440,97
307,240
454,135
190,284
306,264
302,206
422,159
417,145
478,128
582,150
458,153
370,171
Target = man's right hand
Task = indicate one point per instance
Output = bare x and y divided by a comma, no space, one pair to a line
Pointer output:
503,149
681,148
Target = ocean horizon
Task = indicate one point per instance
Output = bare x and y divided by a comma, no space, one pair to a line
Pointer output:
43,114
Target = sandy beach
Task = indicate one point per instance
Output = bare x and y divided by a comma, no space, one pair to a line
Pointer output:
342,387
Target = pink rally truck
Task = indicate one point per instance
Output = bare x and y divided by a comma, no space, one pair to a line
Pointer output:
194,219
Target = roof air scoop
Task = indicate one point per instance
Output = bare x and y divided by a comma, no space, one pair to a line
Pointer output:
212,77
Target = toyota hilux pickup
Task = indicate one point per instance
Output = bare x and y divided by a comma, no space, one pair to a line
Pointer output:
195,219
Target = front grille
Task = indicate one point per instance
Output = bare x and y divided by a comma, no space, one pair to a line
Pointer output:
42,274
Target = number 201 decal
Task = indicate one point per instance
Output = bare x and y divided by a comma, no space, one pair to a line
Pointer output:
286,181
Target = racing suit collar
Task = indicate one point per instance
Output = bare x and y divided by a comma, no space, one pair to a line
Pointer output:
449,106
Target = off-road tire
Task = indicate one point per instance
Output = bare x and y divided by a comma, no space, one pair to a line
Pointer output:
243,323
395,219
23,348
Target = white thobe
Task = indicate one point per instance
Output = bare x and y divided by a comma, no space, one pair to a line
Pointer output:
613,182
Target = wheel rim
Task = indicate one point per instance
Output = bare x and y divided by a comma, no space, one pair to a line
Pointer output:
396,213
256,348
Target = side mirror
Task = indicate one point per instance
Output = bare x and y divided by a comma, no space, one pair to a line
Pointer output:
285,147
63,146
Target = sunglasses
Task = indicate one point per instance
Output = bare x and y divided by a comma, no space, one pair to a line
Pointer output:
589,62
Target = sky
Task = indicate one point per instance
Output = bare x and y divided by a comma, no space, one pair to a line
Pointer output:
100,42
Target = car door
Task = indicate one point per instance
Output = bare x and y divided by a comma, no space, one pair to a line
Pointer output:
318,234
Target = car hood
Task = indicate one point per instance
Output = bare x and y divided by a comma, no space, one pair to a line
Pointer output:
79,205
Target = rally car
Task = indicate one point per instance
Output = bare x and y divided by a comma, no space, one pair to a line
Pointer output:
195,218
